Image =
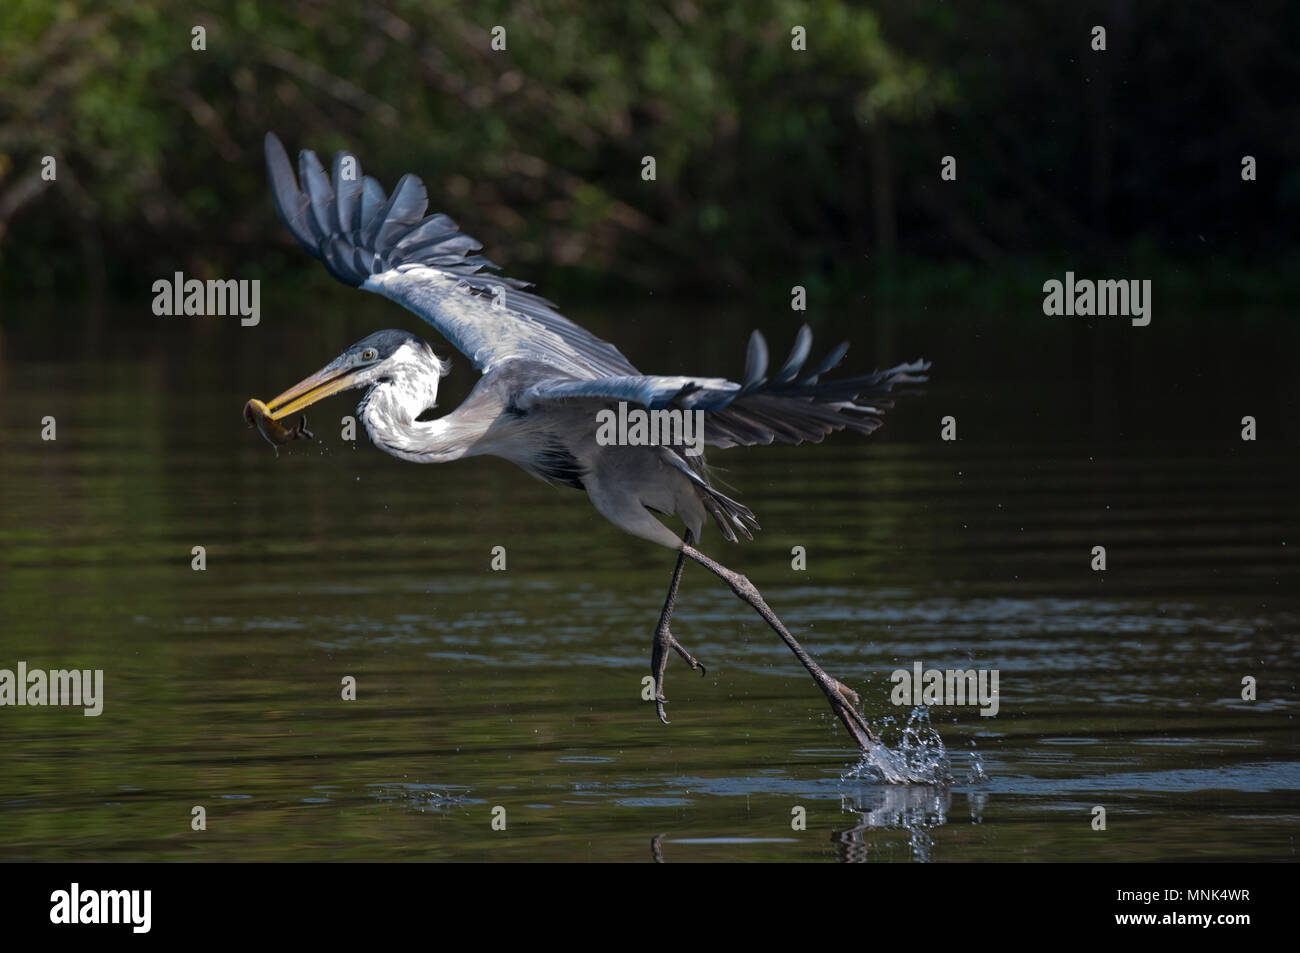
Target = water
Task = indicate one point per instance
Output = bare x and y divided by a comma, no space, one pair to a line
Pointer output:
478,689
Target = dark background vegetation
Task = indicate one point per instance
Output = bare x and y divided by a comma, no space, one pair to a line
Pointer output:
775,167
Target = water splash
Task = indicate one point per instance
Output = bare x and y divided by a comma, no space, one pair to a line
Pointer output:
424,798
977,773
918,756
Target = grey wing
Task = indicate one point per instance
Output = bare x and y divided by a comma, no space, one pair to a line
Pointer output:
790,406
386,244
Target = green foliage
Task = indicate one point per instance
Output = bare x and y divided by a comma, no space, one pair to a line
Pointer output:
537,148
773,165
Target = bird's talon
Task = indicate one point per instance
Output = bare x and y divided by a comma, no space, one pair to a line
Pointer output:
848,694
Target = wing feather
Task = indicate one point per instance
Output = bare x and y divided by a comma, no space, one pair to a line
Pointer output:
785,408
386,244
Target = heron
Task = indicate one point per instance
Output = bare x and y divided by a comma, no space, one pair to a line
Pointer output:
544,381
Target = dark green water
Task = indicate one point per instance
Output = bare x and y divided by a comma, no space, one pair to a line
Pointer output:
522,689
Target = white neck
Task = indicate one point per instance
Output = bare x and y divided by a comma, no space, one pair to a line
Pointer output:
388,412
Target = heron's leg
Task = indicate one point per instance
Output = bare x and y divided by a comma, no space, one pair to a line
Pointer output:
664,640
842,698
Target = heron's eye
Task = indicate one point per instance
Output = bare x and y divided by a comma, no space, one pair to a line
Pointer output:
369,354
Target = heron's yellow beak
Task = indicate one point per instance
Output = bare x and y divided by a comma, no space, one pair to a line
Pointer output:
322,384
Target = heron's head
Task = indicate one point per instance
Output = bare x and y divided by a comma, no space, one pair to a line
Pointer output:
398,362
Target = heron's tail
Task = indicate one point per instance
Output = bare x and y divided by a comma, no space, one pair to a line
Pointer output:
728,514
794,404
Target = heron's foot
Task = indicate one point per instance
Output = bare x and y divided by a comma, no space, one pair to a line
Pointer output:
659,662
844,702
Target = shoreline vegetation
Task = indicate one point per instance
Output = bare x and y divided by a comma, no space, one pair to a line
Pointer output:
1193,289
901,156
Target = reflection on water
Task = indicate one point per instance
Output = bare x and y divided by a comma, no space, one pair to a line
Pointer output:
915,809
522,689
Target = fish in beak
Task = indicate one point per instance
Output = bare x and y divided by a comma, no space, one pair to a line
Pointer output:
266,417
276,434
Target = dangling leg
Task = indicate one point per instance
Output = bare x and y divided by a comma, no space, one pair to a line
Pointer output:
842,698
664,639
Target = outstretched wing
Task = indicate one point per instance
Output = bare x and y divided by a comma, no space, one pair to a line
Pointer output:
791,406
386,244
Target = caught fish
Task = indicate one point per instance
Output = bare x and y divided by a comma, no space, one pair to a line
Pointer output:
276,433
